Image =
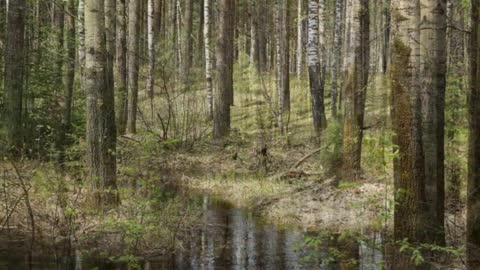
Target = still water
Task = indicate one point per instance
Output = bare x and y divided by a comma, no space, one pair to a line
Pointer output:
231,238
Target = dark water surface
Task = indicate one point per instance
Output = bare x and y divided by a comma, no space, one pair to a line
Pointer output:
231,238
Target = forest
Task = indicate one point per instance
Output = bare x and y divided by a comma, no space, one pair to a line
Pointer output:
240,134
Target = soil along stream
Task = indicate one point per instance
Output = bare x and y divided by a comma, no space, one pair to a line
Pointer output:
227,238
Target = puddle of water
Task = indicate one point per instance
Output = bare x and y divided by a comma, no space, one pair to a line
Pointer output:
231,238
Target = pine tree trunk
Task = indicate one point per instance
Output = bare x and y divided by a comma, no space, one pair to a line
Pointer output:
208,57
262,36
224,89
133,44
283,61
337,47
101,145
473,188
120,69
409,171
14,76
355,82
69,76
314,69
433,71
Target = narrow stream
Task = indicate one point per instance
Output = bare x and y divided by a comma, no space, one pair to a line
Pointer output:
231,238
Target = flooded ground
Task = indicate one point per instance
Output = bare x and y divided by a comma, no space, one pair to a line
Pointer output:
230,238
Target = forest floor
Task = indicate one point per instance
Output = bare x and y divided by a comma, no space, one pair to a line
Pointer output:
270,186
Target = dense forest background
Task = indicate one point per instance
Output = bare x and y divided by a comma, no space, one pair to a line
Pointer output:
109,105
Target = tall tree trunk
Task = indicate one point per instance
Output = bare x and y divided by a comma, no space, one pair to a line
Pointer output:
208,57
69,75
101,145
14,75
188,41
254,20
314,69
433,71
473,189
120,69
299,37
224,89
133,63
151,53
409,170
355,82
81,39
386,37
337,47
283,61
262,35
110,33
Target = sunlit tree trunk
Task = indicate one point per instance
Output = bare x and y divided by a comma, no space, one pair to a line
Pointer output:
355,81
314,69
208,56
409,171
151,53
14,75
81,39
224,89
254,20
101,145
283,61
473,189
133,63
299,37
433,71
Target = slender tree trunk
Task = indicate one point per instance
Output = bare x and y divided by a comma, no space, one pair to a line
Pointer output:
224,89
188,41
14,75
151,53
101,145
81,39
386,37
208,56
314,69
133,63
283,60
473,189
409,171
254,20
355,86
120,69
69,76
433,71
299,37
337,47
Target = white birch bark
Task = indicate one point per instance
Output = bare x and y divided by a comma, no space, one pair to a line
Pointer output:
208,56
